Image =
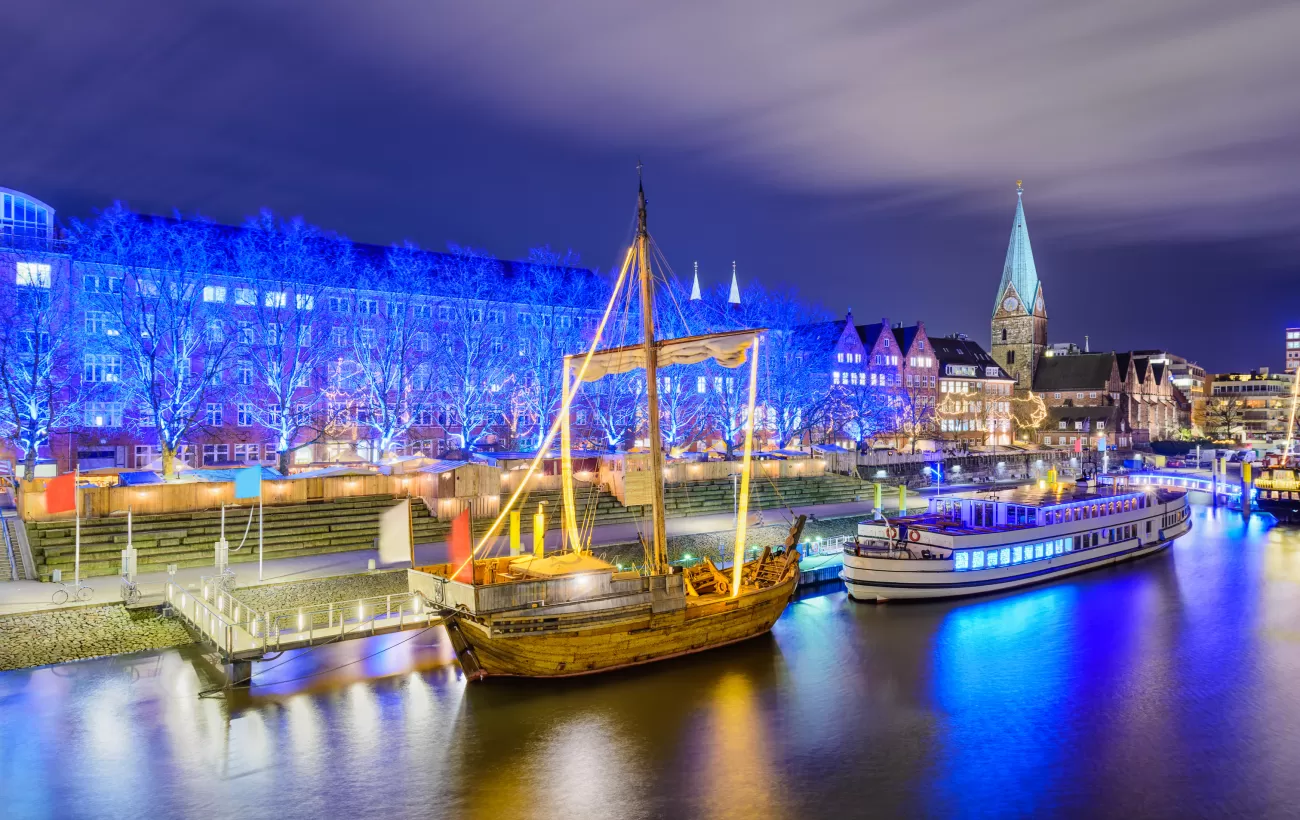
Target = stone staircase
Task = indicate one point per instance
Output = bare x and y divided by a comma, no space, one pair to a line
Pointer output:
186,539
347,524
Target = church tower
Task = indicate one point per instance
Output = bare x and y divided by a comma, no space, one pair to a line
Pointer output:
1019,315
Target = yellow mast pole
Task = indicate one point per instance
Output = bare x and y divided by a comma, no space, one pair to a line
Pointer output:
1290,424
742,522
659,535
570,523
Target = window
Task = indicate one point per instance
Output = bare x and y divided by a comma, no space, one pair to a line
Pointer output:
498,317
274,299
216,453
99,323
498,344
1004,334
305,301
273,335
1092,395
338,335
101,367
33,275
248,453
1101,425
246,333
977,559
245,297
214,332
214,293
339,304
101,284
244,415
476,315
244,374
422,311
961,560
368,307
420,342
701,384
1011,356
395,310
367,337
104,414
212,416
444,313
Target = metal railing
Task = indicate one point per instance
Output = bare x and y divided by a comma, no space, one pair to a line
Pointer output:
825,546
236,628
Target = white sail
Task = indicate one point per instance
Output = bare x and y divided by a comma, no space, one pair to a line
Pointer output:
727,349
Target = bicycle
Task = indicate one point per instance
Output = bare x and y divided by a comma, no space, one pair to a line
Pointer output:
79,591
130,592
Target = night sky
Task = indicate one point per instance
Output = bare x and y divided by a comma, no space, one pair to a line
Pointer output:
864,152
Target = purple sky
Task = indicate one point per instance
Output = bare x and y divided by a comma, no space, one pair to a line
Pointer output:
864,152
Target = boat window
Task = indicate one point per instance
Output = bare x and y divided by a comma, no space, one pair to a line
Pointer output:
977,559
1060,546
961,560
991,558
1005,556
1148,526
1017,554
1038,550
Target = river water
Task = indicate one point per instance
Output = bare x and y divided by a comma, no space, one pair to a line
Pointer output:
1167,687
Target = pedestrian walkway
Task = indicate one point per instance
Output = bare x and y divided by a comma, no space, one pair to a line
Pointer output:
32,596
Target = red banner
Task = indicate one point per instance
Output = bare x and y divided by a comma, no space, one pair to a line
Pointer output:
61,493
461,546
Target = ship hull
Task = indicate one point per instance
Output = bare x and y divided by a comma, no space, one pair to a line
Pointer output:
866,584
628,639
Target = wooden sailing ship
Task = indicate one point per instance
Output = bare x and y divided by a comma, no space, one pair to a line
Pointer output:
571,613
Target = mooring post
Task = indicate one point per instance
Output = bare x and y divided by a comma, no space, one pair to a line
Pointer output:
239,672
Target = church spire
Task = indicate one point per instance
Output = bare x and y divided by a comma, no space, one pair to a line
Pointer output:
734,298
1018,271
695,285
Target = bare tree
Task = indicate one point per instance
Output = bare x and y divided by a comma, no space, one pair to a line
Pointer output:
474,373
149,277
283,349
40,388
390,360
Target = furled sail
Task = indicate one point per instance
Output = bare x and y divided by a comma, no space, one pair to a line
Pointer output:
727,349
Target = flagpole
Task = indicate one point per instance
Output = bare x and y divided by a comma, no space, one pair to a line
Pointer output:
76,504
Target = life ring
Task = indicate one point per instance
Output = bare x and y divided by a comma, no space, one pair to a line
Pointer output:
891,532
913,535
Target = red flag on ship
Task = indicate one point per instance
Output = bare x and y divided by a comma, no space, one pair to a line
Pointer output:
461,545
61,493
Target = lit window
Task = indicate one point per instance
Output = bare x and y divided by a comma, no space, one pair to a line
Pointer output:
1060,547
214,293
245,415
212,416
991,558
1038,550
274,299
1017,554
33,275
305,301
961,560
1005,556
245,297
977,559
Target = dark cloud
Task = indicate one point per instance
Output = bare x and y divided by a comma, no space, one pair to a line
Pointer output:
863,151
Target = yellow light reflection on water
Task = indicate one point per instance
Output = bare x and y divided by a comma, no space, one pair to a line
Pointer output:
740,781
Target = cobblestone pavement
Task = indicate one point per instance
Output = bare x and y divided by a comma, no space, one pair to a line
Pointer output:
84,632
319,591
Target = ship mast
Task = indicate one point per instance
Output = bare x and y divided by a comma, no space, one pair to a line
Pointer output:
659,537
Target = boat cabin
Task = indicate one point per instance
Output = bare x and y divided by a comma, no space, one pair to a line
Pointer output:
1026,507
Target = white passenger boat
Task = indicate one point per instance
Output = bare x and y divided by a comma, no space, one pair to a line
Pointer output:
979,542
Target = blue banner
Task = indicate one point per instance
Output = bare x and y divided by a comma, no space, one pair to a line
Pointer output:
248,483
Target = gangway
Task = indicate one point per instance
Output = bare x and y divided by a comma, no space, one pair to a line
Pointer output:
241,634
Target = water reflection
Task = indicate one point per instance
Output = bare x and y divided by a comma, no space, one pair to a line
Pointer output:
1165,687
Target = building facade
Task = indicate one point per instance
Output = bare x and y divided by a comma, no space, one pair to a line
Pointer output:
1254,406
1292,349
975,395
